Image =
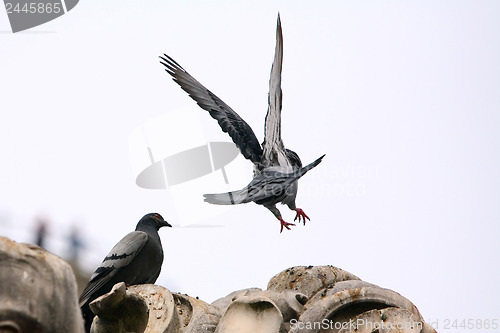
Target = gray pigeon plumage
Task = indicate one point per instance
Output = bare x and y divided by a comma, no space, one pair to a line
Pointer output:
276,169
135,259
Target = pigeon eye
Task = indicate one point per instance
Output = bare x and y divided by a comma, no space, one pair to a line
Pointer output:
157,216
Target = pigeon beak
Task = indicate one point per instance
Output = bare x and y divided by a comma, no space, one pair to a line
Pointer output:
165,224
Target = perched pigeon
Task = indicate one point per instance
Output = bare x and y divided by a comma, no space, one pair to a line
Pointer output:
136,259
276,169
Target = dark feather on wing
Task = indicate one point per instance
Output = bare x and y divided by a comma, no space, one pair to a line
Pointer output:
230,122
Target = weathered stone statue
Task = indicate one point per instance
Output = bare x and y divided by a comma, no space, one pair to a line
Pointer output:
37,291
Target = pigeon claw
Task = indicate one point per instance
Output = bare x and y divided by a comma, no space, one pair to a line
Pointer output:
301,214
285,224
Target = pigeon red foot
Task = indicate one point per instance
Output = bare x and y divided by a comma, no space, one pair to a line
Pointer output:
301,214
285,224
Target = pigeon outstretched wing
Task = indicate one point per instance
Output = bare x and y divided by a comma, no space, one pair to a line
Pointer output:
274,149
120,256
230,122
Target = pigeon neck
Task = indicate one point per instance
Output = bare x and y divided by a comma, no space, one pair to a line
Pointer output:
148,228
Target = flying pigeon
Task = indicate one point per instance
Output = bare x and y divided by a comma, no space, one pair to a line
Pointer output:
136,259
276,169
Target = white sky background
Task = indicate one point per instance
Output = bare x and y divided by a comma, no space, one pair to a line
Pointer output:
403,97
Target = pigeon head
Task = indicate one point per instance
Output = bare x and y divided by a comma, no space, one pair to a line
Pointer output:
293,158
154,220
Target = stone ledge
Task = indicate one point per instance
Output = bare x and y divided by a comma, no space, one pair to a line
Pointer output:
38,292
299,299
